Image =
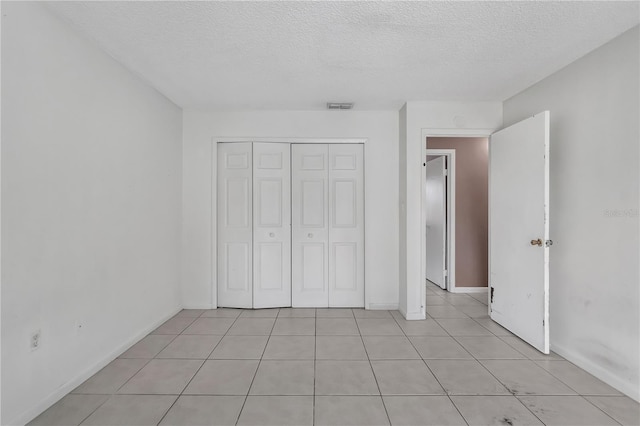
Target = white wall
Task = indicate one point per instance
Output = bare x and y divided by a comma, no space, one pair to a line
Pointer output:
402,208
381,188
0,222
594,278
91,181
449,118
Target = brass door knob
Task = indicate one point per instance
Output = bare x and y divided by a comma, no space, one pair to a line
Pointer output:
537,242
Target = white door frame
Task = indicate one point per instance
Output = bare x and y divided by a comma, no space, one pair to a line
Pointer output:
450,189
424,134
215,140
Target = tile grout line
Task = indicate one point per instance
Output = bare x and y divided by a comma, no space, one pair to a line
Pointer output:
193,319
110,395
589,401
148,360
483,366
199,368
371,366
509,344
350,394
404,333
144,365
537,363
455,338
506,387
476,359
90,414
258,366
573,389
163,348
571,396
432,373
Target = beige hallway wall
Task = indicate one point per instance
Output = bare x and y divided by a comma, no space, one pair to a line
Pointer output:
472,156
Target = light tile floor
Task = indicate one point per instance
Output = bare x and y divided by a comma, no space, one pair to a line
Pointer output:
340,367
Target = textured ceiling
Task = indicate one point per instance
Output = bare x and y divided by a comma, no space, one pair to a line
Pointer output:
299,55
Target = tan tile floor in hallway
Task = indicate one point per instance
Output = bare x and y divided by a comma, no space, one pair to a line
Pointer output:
340,367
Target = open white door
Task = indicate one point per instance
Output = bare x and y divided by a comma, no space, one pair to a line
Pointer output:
271,225
435,214
519,229
235,233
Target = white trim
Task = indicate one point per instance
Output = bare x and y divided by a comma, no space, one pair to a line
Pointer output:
224,139
424,134
367,304
63,390
470,290
451,216
457,133
628,388
214,225
489,296
414,316
402,311
199,306
383,306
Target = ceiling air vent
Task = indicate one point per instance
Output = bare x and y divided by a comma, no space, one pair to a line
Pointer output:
339,105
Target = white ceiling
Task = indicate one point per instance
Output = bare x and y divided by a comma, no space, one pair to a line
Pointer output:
299,55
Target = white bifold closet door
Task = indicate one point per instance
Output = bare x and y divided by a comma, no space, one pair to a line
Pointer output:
310,225
235,225
271,225
254,234
327,225
346,225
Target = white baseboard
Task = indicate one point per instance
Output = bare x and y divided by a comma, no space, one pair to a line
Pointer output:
372,306
56,396
199,306
412,316
402,311
470,290
383,306
617,382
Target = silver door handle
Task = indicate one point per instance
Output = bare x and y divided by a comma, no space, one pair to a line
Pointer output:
271,234
309,235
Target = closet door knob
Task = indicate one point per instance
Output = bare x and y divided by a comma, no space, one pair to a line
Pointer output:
309,235
271,234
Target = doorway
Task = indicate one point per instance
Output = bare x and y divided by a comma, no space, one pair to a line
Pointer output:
517,223
456,255
437,210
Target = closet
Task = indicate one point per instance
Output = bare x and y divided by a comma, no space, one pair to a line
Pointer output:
290,225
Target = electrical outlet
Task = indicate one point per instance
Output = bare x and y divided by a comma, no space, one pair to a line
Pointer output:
35,340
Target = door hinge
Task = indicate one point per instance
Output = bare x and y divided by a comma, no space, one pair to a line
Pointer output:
492,294
446,273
